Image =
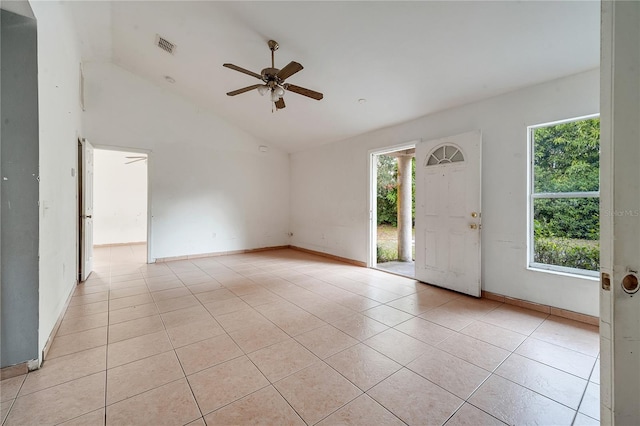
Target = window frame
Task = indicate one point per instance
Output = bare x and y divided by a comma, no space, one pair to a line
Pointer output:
532,195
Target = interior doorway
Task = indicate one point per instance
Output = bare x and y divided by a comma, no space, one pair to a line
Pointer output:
121,201
392,196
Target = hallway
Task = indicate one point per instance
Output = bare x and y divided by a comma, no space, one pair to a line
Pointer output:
285,337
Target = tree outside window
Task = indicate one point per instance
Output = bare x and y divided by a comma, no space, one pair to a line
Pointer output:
564,196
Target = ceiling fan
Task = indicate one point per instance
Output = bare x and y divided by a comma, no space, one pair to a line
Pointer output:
273,79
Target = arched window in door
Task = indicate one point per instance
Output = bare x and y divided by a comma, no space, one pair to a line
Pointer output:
444,154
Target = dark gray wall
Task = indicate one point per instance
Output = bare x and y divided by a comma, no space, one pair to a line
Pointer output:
19,194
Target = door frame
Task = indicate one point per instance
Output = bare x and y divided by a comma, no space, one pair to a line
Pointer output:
148,152
373,194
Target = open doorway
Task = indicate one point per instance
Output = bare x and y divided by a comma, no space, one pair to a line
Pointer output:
392,189
120,202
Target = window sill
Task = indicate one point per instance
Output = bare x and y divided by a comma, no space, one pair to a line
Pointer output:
566,272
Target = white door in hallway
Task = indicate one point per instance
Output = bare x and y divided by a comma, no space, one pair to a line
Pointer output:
448,219
86,219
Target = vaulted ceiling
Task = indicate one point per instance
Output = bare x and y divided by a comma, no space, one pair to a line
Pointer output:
406,59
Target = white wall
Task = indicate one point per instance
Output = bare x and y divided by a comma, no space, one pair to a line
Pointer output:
60,126
211,189
119,198
330,184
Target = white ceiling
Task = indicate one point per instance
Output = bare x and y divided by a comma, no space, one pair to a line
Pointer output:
407,59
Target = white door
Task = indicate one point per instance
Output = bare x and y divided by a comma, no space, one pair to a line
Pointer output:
448,212
86,219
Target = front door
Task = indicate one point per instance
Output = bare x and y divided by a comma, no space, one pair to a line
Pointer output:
448,219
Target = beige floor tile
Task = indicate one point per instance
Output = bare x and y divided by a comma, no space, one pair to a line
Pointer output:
264,407
595,373
88,309
329,311
424,330
357,303
447,318
129,301
59,403
359,326
76,342
116,285
251,339
204,287
140,376
422,302
134,328
132,312
555,384
325,341
126,292
222,384
197,422
94,418
226,306
468,415
215,295
9,388
187,334
166,285
185,316
584,420
82,289
246,318
5,406
171,404
260,298
471,307
513,318
363,366
65,368
574,335
168,305
317,391
475,351
459,377
387,315
77,324
514,404
89,298
206,353
362,411
398,346
159,279
590,405
414,399
137,348
170,294
497,336
558,357
282,359
296,324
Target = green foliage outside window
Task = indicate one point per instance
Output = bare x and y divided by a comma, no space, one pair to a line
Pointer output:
567,159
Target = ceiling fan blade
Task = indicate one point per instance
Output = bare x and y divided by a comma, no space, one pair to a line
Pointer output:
136,156
244,89
242,70
280,103
290,69
304,92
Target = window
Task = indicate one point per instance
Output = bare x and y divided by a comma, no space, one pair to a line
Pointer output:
564,200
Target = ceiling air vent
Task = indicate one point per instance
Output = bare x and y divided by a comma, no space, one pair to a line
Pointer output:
165,44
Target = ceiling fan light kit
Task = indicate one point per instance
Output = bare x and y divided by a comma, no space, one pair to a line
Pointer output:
274,80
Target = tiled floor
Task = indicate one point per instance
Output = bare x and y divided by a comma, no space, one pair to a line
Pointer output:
284,337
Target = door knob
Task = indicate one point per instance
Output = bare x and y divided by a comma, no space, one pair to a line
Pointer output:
474,214
473,226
